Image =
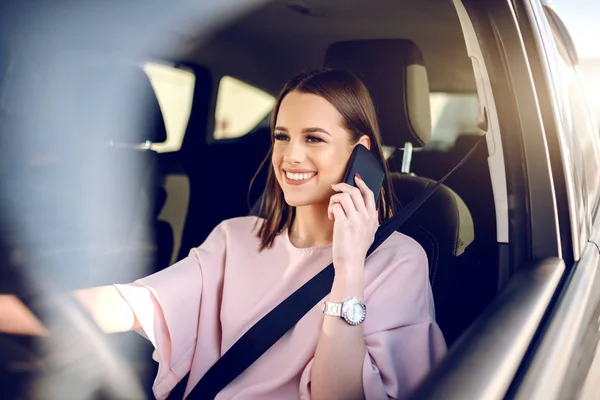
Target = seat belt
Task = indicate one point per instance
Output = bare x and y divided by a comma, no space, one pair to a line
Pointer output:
266,332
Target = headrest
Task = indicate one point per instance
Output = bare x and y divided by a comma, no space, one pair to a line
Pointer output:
120,98
394,72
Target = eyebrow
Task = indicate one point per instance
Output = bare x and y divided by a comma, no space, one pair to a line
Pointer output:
305,130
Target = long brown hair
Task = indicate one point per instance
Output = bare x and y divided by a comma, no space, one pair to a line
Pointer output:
349,95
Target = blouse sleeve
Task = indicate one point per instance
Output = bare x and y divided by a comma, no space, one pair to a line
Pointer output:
402,340
170,304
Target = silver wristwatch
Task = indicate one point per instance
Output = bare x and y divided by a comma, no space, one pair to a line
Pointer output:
353,311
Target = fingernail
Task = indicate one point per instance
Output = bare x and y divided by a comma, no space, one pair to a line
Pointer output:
358,176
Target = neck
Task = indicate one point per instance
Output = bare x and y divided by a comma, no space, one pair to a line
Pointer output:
311,226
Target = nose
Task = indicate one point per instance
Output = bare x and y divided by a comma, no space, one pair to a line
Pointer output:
294,152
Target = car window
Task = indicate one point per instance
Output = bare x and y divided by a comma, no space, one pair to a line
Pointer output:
452,114
576,122
240,107
174,88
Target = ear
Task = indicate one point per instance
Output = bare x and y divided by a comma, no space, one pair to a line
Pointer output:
365,141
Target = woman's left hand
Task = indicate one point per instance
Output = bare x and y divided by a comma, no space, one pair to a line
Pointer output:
356,220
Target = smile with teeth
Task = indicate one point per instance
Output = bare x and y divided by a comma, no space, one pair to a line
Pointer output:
299,177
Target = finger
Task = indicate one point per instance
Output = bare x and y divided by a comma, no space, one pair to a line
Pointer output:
367,194
338,212
346,203
355,195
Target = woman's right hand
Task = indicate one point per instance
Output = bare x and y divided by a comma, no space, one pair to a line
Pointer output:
108,308
17,319
104,304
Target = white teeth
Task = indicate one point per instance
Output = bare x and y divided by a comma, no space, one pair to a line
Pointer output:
299,177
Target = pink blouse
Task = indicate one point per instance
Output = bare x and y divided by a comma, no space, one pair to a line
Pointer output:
195,310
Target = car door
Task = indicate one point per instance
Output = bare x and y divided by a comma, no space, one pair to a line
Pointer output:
537,339
561,358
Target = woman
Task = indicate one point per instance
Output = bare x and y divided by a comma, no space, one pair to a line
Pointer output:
195,310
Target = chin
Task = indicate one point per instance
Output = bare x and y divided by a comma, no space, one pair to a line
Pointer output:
298,200
295,201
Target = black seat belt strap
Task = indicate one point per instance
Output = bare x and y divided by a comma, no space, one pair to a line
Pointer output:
266,332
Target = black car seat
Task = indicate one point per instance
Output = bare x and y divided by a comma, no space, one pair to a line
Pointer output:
472,183
394,72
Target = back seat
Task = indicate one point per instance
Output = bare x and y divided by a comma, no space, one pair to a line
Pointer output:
472,183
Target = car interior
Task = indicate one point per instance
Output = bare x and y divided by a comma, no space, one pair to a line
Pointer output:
194,154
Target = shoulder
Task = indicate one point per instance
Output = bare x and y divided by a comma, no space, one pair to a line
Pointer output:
236,232
399,272
402,248
399,262
241,227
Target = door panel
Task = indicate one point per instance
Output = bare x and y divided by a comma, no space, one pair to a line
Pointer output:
483,363
564,354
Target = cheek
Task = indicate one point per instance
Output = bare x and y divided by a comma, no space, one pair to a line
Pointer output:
276,160
333,166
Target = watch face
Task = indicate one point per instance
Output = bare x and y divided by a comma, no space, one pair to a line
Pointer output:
354,312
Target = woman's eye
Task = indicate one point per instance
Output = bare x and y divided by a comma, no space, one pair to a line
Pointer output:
313,139
280,136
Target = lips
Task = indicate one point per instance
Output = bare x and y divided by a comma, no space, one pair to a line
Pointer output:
298,177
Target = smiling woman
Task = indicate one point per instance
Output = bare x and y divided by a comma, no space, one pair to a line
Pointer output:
195,310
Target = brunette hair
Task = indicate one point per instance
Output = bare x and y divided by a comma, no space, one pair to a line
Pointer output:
349,95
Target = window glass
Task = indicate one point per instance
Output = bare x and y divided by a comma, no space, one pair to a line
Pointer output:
590,73
580,18
576,123
240,107
174,88
452,114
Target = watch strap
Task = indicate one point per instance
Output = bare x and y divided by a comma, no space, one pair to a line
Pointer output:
333,309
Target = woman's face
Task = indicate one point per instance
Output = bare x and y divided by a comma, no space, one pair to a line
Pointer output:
311,149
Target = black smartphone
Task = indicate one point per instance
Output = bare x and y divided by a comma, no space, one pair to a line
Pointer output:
363,162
